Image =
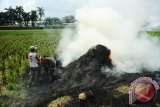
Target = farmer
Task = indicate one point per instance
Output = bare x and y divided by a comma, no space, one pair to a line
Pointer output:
33,62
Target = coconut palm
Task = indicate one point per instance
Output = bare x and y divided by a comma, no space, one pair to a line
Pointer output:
56,20
51,21
48,21
19,14
33,17
68,19
26,17
40,12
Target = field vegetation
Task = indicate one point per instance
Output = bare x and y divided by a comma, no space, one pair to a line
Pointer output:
14,49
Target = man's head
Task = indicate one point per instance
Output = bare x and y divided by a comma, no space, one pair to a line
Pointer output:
35,49
32,49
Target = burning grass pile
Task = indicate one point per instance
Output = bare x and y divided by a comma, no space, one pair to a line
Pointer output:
84,76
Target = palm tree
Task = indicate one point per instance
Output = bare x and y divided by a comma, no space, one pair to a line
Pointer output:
48,21
33,17
68,19
19,14
40,12
26,17
72,19
56,20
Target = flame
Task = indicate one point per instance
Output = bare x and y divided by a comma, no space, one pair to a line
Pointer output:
110,57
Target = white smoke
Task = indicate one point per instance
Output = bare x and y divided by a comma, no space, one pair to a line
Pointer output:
115,24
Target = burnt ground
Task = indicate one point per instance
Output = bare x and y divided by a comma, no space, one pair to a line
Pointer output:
105,94
82,75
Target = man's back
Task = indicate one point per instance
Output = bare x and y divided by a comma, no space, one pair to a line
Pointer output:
33,59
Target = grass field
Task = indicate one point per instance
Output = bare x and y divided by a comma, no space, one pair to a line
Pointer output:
154,33
14,49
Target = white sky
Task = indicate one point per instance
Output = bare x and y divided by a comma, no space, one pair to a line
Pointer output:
58,8
61,8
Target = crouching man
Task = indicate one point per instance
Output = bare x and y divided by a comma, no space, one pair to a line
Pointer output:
33,62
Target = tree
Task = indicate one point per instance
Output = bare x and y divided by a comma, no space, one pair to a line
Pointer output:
40,12
48,21
51,21
19,14
56,20
33,17
68,19
3,19
11,15
26,17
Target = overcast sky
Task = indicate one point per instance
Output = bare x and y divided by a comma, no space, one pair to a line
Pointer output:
58,8
61,8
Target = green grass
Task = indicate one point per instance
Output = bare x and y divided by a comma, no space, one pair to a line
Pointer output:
154,33
28,32
14,49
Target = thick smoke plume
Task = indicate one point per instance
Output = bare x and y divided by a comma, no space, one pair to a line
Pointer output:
117,25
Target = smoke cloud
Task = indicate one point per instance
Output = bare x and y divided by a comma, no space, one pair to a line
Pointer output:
115,24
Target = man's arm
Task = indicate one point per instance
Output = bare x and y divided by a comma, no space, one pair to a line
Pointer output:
37,58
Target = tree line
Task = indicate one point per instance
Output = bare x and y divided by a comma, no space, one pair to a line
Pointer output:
17,16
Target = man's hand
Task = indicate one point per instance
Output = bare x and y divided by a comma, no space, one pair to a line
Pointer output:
30,73
41,60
